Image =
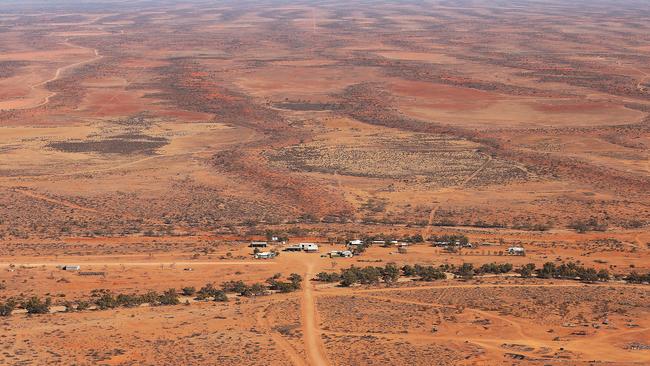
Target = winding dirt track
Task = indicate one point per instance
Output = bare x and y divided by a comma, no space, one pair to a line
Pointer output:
60,70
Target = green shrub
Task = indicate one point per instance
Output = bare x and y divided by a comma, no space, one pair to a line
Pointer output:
7,307
34,305
189,291
169,297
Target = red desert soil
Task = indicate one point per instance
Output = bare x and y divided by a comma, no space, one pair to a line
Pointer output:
149,143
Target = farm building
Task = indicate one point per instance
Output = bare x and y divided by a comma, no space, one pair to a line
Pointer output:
355,242
309,247
306,247
516,251
265,255
258,244
340,253
293,248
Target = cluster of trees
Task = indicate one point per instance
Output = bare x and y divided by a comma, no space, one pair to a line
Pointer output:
635,277
373,275
465,271
417,238
105,299
369,275
572,270
425,273
7,307
206,292
328,277
527,270
358,249
495,268
239,287
588,225
292,284
391,273
33,305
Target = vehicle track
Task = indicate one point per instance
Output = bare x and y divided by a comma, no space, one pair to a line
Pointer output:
427,230
45,198
311,331
264,322
60,70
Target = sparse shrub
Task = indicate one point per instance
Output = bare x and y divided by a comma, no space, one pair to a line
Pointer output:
590,225
360,248
294,283
526,271
34,305
635,277
150,298
82,305
295,280
466,271
328,277
220,296
256,289
588,275
408,270
603,275
7,307
390,273
128,301
571,270
189,291
169,297
106,300
495,268
417,238
233,286
348,278
429,273
207,291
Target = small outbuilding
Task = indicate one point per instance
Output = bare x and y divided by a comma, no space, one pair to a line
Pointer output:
258,244
516,251
309,247
293,248
340,253
264,255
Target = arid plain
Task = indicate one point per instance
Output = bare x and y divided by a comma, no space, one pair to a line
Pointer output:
149,142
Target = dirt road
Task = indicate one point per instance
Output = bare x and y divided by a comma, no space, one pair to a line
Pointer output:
54,201
130,264
60,70
312,333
